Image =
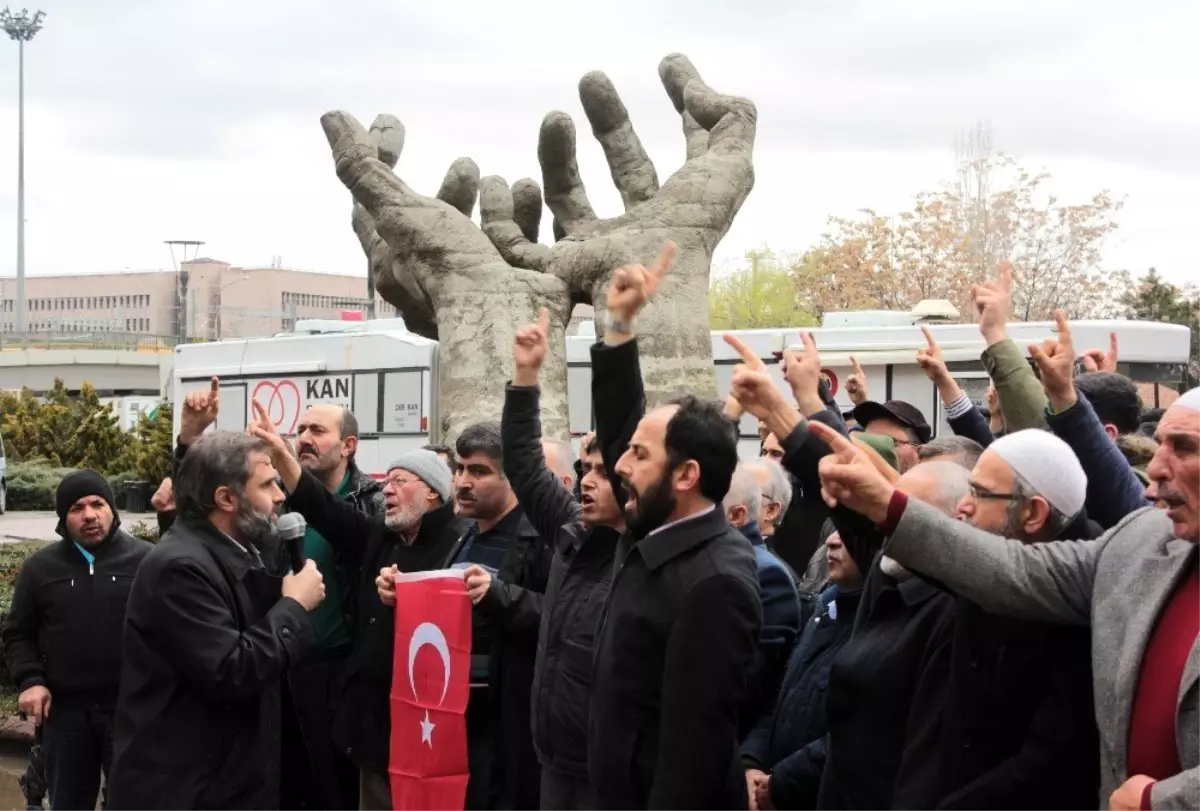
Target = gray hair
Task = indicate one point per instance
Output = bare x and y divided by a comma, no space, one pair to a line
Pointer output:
1023,492
744,491
218,459
964,450
954,481
779,484
563,463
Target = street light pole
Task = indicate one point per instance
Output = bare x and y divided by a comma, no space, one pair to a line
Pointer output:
22,28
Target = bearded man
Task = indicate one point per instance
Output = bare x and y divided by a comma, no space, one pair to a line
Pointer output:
209,633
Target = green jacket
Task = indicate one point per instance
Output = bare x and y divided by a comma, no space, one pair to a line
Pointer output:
1022,398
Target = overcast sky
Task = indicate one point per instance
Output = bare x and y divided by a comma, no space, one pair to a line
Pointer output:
148,121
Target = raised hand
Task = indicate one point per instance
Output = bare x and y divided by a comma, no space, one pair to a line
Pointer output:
529,350
849,478
282,457
1097,360
933,363
633,285
1056,363
200,410
856,384
752,386
802,371
993,303
930,358
461,284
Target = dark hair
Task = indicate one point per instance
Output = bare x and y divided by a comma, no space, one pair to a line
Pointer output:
218,459
1151,414
482,437
699,430
349,425
1115,399
968,449
590,445
443,450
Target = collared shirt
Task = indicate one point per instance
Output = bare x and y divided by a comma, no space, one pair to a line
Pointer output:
676,523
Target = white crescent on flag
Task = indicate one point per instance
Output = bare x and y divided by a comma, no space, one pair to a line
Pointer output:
427,633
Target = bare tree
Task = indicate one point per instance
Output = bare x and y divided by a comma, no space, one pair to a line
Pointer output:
472,287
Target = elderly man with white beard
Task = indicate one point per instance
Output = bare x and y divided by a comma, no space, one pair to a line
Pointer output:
417,532
1136,587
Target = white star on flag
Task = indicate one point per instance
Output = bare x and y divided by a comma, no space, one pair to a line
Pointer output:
427,730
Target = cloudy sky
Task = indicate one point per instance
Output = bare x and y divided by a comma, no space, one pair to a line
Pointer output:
181,119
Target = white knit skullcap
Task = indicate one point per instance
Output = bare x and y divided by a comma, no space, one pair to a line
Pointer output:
1046,464
1189,400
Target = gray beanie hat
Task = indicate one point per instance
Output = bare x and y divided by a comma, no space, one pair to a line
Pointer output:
429,467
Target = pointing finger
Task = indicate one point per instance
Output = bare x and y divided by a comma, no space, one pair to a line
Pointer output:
1112,344
929,337
838,443
215,388
543,324
1004,275
746,352
663,264
858,369
810,343
1063,328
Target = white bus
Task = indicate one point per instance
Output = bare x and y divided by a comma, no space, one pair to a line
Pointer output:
387,375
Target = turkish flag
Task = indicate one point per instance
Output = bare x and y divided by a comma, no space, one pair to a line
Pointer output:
430,685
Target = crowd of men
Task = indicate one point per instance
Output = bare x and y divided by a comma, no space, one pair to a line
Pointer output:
864,617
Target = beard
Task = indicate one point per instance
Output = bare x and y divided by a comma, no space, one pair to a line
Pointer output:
317,464
405,517
650,509
256,528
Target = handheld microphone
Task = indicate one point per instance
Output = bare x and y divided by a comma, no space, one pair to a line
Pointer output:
291,529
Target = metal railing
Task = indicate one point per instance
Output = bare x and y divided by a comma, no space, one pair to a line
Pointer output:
11,341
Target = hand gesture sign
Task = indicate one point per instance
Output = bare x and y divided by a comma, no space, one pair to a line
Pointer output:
849,478
633,285
802,371
1097,360
529,349
752,386
930,358
993,302
200,409
856,384
263,428
1056,363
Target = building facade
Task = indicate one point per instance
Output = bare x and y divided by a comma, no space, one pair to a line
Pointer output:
206,300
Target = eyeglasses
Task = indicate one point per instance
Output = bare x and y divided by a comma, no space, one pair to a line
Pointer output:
980,494
398,481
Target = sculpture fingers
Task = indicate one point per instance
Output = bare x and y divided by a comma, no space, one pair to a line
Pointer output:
431,234
632,170
388,134
392,282
675,71
527,207
461,186
497,220
565,194
732,122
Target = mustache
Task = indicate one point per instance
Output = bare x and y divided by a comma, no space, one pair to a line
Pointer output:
464,495
303,449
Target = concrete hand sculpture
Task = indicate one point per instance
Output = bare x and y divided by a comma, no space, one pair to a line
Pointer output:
472,287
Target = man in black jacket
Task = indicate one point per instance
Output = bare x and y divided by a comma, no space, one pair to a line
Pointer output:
678,635
417,532
507,566
583,537
209,633
62,637
326,443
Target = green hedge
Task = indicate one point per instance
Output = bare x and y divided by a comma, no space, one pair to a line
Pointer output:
31,485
